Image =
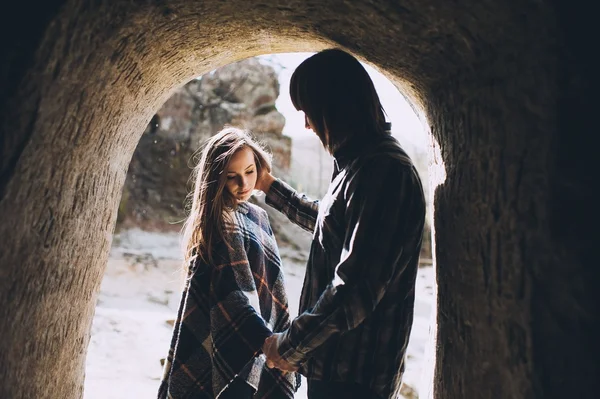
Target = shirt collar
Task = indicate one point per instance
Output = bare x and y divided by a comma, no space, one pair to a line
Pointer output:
243,207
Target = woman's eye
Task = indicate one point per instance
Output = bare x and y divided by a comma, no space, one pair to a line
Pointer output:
250,172
230,177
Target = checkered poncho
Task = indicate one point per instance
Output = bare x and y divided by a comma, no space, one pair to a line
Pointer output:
227,310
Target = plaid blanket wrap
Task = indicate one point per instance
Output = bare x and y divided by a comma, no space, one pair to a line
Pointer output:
227,310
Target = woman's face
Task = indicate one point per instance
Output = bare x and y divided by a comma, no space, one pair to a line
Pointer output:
241,174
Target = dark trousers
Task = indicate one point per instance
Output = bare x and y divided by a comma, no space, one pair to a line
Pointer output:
338,390
238,389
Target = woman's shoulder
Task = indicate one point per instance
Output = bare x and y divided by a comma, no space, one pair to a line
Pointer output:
254,216
252,211
257,210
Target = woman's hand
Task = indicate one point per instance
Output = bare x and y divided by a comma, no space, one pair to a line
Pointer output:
264,181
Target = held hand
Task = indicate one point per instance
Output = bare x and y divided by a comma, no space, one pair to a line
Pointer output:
264,181
272,354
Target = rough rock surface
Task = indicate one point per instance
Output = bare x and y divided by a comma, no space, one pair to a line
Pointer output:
241,94
508,89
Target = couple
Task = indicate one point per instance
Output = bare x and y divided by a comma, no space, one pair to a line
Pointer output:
233,338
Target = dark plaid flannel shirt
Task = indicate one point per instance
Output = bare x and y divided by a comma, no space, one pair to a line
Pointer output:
227,311
356,308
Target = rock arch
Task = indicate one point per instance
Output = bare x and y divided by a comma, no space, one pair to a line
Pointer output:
505,88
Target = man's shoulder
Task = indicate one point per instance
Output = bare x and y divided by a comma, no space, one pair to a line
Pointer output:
387,163
391,151
388,154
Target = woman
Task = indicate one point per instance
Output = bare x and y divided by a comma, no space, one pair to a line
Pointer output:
234,296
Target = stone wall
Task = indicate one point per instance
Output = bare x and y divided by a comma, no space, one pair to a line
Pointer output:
506,86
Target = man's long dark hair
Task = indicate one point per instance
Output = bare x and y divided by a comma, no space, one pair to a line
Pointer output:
337,94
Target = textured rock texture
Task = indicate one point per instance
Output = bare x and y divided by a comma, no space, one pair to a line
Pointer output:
158,179
507,91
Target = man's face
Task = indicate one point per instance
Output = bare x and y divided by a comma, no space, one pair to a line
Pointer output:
310,126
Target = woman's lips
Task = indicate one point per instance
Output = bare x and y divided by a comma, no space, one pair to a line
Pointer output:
244,192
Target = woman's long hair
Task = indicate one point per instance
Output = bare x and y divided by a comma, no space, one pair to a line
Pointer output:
337,94
204,227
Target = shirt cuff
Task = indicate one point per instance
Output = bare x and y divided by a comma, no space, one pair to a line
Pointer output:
287,352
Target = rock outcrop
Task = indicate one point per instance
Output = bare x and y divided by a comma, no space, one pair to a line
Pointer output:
241,94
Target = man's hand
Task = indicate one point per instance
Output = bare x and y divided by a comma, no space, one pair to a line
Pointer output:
273,358
264,181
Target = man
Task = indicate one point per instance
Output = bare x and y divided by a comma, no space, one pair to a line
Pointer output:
356,308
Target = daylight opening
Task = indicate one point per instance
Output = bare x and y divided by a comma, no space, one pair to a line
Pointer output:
141,289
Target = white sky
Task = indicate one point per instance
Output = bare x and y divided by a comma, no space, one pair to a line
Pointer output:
405,123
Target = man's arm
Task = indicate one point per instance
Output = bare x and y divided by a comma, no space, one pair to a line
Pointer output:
380,217
297,207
